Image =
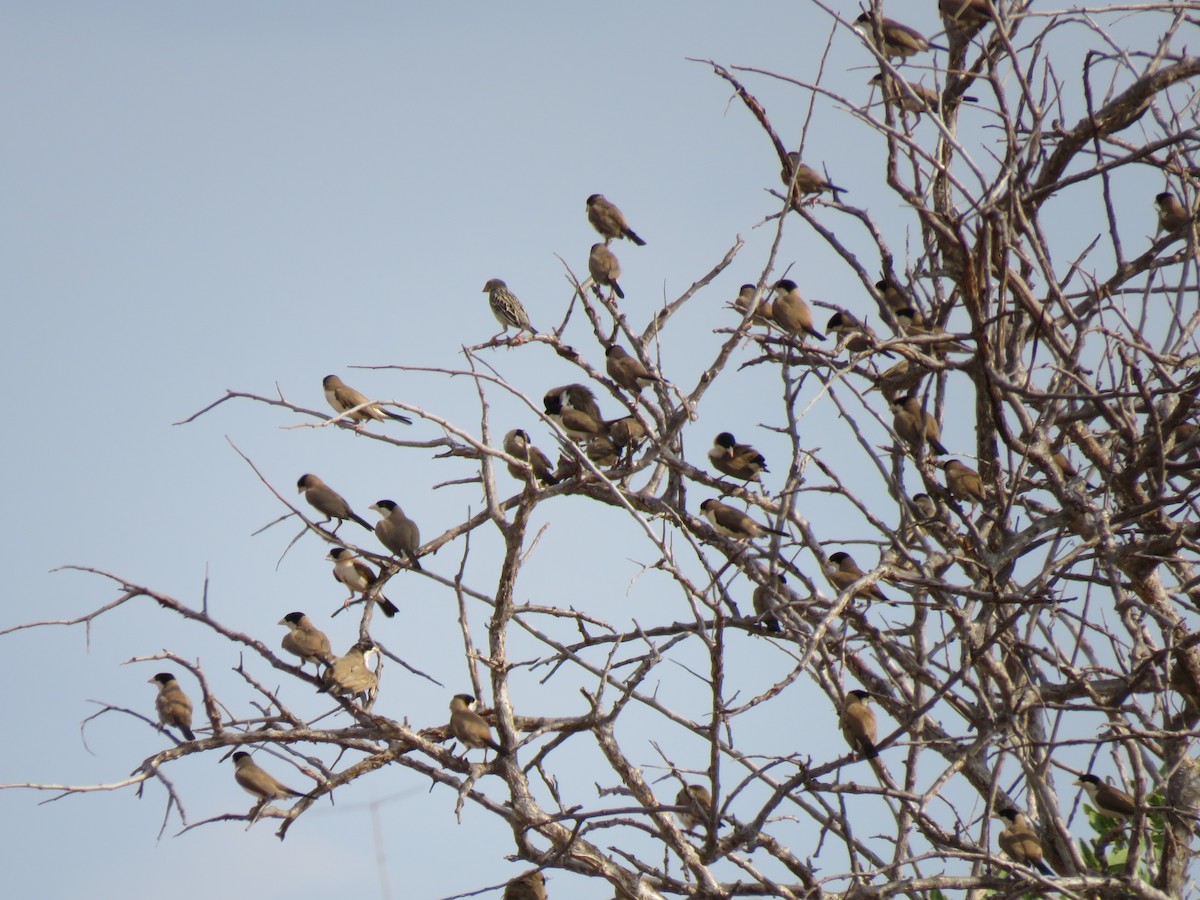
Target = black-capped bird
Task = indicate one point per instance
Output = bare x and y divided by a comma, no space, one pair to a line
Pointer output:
358,577
696,801
353,673
255,780
530,886
734,523
507,309
859,338
609,221
963,482
1020,842
306,640
915,426
398,532
899,379
342,397
857,721
804,179
173,705
579,424
893,296
790,311
766,597
740,461
918,98
914,325
1171,213
1108,800
899,41
843,571
627,370
468,726
327,502
763,314
517,445
605,269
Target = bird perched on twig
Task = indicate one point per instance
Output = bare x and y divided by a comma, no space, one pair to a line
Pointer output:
804,180
843,571
963,482
174,707
790,311
763,314
766,597
915,426
1108,800
696,801
257,782
604,269
607,219
306,640
358,577
576,412
918,98
468,726
352,674
507,309
913,324
1171,213
398,532
857,721
328,502
740,461
898,41
859,338
517,445
734,523
627,370
964,13
530,886
342,397
1020,842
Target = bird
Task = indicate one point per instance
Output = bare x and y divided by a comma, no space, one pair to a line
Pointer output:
1108,800
468,726
734,523
790,311
740,461
763,314
857,721
358,577
306,640
859,338
517,445
1171,213
578,424
915,426
625,433
352,674
765,598
1020,842
328,502
605,269
918,98
925,509
895,298
172,704
901,378
696,801
844,571
803,179
343,397
626,370
899,41
963,482
603,452
530,886
257,782
610,221
398,532
507,309
965,13
913,324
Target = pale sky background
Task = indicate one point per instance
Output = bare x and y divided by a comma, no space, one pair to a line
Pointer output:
203,197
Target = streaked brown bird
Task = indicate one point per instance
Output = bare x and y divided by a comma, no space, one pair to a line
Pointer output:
468,726
859,338
353,673
342,397
1171,213
172,704
898,41
915,426
530,886
256,781
1020,842
740,461
327,502
306,640
696,801
843,571
766,598
918,98
627,370
517,444
507,309
763,314
609,221
733,523
790,311
807,180
963,482
398,532
1108,800
857,721
358,577
605,269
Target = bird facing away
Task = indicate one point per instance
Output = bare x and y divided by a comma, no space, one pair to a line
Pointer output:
899,41
173,706
352,674
306,640
924,508
257,782
843,571
605,269
507,309
763,313
734,523
1108,800
609,221
696,801
859,338
358,577
895,298
328,502
963,482
918,98
964,13
857,721
766,597
343,397
1171,213
790,311
578,424
468,726
740,461
804,180
1020,842
916,427
516,444
530,886
398,532
626,370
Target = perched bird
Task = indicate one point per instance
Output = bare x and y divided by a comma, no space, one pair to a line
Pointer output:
343,397
257,782
398,532
1020,842
1108,800
857,721
843,571
914,325
516,444
696,801
358,577
963,482
626,432
898,41
578,424
765,599
306,640
964,13
733,522
626,370
352,674
1171,213
603,452
530,886
605,269
507,309
609,221
468,726
580,397
790,311
918,98
763,314
804,180
924,507
859,338
901,378
173,705
915,426
328,502
740,461
895,298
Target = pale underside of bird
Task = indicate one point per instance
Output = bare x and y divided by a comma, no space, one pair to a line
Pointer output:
359,578
518,446
508,310
353,674
893,39
857,721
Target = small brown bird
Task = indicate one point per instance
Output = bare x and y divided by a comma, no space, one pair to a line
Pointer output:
807,180
964,13
843,571
530,886
398,532
859,338
766,597
609,221
901,378
790,311
358,577
605,269
1020,842
328,502
1108,800
306,640
507,309
740,461
468,726
1171,213
352,674
895,298
343,397
857,721
626,370
913,324
734,523
172,704
898,41
603,452
924,507
696,801
626,432
915,426
257,782
763,314
578,424
918,98
963,481
516,444
580,397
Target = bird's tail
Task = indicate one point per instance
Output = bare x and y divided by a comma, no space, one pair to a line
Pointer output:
629,233
617,290
361,521
187,732
399,418
388,608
